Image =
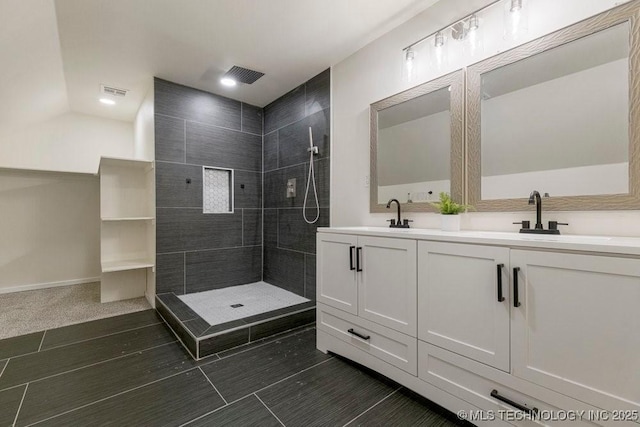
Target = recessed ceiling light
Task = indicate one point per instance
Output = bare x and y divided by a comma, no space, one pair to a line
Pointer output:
107,101
227,81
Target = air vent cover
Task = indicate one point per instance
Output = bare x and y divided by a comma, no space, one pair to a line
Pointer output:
243,75
113,91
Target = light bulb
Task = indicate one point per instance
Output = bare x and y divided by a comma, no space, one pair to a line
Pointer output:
408,61
473,22
228,81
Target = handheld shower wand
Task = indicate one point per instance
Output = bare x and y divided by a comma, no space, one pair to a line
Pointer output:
311,179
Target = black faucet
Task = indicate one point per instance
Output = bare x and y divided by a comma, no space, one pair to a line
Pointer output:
534,197
397,223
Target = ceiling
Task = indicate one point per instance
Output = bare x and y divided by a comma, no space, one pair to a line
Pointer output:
32,83
62,50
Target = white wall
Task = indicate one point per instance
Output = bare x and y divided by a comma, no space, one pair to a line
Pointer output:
50,229
71,142
50,224
375,72
144,130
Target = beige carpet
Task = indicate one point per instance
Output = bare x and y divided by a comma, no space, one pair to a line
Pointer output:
32,311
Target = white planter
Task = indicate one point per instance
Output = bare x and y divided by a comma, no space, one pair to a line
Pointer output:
450,222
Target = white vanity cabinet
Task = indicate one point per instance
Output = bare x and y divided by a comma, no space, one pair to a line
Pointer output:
519,325
371,277
577,327
464,299
336,273
366,293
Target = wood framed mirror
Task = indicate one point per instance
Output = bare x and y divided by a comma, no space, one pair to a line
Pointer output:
561,115
417,145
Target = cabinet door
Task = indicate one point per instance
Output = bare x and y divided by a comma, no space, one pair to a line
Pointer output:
387,287
576,330
336,272
458,300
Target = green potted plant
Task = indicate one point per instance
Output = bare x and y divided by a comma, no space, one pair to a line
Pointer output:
450,210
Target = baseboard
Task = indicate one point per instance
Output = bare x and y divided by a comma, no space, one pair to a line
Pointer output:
35,286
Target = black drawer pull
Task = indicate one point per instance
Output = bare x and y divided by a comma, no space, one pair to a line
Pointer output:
530,411
500,296
364,337
358,256
351,267
516,301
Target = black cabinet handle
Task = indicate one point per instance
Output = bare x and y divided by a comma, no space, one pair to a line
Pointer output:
364,337
496,395
516,302
358,256
500,296
351,267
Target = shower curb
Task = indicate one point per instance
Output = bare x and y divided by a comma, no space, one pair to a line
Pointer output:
185,324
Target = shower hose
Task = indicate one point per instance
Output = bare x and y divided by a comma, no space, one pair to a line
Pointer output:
311,179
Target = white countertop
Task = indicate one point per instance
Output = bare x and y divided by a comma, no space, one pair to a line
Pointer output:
599,244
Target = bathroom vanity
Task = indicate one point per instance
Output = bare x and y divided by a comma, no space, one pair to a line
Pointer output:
488,320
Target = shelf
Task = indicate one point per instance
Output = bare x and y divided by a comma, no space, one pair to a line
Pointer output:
134,264
129,163
47,171
132,218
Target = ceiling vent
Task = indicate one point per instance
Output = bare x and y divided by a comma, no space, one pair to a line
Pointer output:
243,75
113,91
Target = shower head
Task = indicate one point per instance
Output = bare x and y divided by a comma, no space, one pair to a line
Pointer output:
313,149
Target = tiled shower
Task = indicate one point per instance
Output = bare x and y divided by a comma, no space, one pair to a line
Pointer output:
201,252
289,242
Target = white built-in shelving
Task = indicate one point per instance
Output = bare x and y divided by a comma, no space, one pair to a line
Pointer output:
138,218
127,237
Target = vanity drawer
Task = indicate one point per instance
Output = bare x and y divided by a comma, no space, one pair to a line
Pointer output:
386,344
462,377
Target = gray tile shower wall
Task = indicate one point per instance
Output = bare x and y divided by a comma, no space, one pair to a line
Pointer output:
266,237
196,251
289,242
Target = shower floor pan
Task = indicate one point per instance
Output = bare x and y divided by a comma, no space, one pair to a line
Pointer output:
213,321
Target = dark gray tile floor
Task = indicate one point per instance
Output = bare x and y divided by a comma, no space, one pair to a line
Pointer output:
130,371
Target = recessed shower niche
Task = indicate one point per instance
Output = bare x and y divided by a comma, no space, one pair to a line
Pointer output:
217,186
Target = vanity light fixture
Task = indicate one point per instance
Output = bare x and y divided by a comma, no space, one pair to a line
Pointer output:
440,56
474,23
460,29
516,5
409,56
515,20
466,30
